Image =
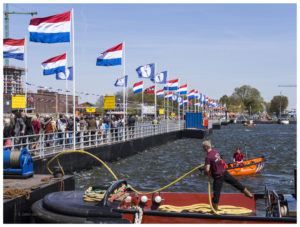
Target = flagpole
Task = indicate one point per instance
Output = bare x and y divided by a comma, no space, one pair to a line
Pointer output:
26,68
124,109
164,107
168,111
178,105
142,104
67,85
155,91
74,70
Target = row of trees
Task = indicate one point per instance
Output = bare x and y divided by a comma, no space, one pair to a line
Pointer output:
247,98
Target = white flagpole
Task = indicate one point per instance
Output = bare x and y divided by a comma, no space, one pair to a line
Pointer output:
142,103
124,109
178,95
67,87
74,70
26,68
164,107
154,91
168,111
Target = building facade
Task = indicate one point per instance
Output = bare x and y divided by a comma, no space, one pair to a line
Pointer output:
12,80
45,101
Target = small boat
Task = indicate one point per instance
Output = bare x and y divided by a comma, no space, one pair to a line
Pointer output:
163,208
250,166
283,121
249,125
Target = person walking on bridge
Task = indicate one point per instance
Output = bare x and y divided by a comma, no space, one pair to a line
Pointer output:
215,168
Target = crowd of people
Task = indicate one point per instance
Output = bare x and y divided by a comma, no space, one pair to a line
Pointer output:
19,125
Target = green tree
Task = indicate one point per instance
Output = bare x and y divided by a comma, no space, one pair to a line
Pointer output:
275,104
250,98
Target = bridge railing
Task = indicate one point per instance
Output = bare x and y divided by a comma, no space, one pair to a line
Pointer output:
43,145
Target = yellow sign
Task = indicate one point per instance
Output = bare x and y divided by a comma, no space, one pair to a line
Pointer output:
109,102
161,111
172,114
90,109
18,102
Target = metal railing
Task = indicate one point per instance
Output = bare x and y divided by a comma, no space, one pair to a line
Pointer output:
43,145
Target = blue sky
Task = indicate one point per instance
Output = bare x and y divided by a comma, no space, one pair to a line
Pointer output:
214,48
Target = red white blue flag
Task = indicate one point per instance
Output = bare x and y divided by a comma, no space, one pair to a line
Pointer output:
138,87
111,57
182,90
55,65
172,85
13,48
160,93
53,29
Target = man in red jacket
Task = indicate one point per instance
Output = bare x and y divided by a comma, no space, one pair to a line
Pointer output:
215,168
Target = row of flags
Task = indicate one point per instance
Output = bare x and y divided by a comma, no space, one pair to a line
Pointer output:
57,29
52,29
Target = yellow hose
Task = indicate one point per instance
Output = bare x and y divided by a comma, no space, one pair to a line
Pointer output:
203,208
112,173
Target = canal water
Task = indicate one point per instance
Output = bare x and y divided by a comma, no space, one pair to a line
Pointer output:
158,166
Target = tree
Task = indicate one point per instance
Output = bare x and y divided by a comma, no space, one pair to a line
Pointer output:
275,104
250,98
224,100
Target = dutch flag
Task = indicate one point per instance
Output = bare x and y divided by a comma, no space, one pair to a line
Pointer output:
191,94
111,57
169,95
197,95
185,101
172,85
182,90
160,93
53,29
13,48
138,87
55,65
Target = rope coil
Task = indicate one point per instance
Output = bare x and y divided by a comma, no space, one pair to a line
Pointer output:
203,208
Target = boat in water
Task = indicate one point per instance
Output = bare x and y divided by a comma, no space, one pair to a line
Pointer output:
283,121
164,207
249,123
248,167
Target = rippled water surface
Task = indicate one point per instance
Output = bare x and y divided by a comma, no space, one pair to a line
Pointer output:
158,166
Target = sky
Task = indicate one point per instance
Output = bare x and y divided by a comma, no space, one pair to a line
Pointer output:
214,48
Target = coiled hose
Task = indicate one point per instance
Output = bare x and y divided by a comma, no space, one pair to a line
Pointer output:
192,208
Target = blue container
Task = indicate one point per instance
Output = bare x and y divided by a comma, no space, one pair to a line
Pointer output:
194,120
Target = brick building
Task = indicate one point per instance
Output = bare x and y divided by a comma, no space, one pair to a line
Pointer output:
45,101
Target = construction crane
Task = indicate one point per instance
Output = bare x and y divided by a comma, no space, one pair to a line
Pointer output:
287,85
6,13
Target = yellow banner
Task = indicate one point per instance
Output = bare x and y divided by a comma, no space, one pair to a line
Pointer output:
109,102
18,102
161,111
90,109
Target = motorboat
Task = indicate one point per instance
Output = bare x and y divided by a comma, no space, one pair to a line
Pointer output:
251,166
